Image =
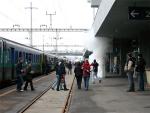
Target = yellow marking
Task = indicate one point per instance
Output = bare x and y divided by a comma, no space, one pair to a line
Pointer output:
7,92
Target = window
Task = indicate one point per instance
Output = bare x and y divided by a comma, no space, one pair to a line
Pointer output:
16,56
0,55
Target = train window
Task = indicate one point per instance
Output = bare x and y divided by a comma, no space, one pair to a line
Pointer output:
36,58
0,55
7,56
27,57
20,54
30,57
23,55
33,58
16,56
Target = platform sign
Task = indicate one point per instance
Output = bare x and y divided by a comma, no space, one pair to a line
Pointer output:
139,13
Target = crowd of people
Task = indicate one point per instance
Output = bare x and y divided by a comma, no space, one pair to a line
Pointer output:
81,70
23,74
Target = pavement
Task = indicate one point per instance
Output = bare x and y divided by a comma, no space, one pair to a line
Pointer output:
110,96
52,101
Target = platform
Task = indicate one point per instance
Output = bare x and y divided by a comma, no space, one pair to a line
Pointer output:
110,97
53,101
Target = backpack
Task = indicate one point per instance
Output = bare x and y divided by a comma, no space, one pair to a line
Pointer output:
133,61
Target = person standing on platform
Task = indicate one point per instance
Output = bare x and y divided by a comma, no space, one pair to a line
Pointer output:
19,72
95,71
129,68
86,73
69,68
140,68
61,73
29,76
78,74
57,75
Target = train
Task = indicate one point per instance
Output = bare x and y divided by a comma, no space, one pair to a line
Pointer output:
10,51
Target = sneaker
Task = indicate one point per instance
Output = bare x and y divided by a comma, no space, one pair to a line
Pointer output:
21,90
32,89
130,90
140,90
100,81
66,89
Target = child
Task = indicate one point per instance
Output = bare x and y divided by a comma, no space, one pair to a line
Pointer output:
62,82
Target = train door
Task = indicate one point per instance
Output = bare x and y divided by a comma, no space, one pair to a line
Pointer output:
1,60
12,55
7,63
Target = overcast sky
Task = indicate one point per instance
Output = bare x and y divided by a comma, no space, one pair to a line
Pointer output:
69,13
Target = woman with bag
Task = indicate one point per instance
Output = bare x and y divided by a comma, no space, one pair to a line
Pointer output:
86,73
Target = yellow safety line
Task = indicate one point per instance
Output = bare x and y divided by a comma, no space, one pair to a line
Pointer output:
7,92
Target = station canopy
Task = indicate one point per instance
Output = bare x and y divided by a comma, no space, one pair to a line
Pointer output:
125,19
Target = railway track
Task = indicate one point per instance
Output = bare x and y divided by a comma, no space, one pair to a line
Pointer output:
66,105
23,109
68,100
30,102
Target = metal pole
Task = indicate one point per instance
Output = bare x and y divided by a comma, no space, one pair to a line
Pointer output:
31,8
31,25
50,17
43,43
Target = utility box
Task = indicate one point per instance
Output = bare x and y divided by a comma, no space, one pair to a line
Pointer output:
148,76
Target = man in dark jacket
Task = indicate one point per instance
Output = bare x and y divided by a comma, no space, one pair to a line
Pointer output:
19,72
78,74
140,68
61,73
28,77
95,71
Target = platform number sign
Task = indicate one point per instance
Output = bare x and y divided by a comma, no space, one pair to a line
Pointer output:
139,13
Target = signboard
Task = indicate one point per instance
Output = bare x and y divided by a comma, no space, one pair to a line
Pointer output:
139,13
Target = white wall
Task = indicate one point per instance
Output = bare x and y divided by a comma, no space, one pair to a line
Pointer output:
99,46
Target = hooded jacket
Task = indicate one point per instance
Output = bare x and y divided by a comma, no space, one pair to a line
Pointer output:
86,68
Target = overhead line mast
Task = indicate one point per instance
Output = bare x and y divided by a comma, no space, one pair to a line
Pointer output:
31,8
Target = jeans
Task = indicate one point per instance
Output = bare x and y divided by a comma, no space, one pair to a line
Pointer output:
59,82
94,76
86,82
130,80
79,81
141,80
26,84
19,82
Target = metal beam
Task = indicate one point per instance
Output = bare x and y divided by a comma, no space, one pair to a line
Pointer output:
58,45
43,30
68,54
